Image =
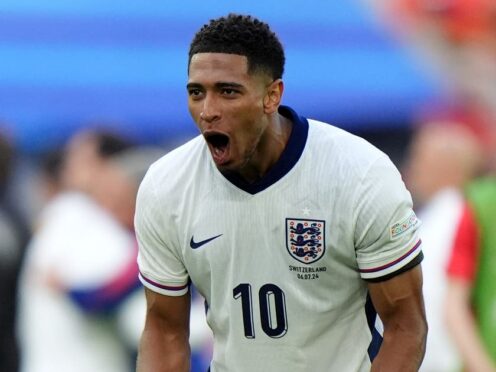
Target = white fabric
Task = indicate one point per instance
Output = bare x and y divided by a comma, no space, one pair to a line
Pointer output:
440,218
77,245
340,179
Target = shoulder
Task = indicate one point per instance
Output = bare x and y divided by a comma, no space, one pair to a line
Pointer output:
341,140
173,171
343,150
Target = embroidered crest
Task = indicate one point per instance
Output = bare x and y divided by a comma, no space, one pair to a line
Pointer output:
305,239
400,227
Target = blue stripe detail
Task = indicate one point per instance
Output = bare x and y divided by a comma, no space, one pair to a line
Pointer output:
195,13
376,342
85,66
94,31
97,300
142,66
44,116
288,159
133,57
128,30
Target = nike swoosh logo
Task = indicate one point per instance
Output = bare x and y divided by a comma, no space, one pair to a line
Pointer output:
196,245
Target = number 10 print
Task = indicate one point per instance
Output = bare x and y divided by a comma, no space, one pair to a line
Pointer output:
273,326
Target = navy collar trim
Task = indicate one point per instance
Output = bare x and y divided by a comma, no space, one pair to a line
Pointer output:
288,159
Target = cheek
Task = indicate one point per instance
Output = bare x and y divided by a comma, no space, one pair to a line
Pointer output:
194,113
248,137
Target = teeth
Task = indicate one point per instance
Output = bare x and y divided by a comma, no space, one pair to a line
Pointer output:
219,151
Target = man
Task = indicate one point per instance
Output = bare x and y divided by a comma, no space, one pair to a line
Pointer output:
444,156
80,267
284,225
471,294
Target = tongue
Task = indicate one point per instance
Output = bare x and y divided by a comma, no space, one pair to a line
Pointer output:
220,154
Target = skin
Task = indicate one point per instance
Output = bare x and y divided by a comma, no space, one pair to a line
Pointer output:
81,164
225,99
463,328
164,344
442,155
400,306
116,192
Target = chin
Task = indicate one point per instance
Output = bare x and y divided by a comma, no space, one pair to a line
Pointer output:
228,167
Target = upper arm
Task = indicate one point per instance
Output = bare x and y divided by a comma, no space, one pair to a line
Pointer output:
386,227
400,305
160,258
398,300
164,343
169,314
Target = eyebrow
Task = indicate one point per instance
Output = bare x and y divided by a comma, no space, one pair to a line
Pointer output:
193,85
228,85
219,85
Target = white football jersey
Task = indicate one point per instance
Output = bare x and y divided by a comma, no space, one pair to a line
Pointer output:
282,262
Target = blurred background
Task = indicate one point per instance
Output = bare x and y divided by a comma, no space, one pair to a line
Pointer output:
65,65
379,68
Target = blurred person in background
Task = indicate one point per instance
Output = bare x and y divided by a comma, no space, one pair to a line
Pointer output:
443,158
13,237
471,294
89,283
80,265
458,39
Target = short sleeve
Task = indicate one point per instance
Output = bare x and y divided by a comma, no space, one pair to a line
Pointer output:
464,255
161,268
386,229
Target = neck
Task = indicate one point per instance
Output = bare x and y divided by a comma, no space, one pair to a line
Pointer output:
269,149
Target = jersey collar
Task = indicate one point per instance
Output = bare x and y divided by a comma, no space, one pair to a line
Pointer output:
288,159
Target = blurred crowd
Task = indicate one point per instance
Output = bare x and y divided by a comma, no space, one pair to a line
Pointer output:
450,170
71,300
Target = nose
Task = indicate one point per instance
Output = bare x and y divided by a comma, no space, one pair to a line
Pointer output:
210,110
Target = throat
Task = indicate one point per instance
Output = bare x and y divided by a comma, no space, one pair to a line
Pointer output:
247,176
268,152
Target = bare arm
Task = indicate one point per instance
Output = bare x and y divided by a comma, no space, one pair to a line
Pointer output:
462,327
164,345
400,305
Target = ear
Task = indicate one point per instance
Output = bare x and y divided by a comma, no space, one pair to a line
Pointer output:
273,97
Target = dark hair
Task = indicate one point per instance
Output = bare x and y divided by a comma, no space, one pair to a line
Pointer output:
6,159
242,35
51,164
110,144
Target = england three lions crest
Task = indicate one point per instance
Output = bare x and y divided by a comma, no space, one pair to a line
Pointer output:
305,239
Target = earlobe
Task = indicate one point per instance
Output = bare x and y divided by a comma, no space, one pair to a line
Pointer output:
273,97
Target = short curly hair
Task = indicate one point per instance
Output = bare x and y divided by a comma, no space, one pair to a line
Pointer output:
242,35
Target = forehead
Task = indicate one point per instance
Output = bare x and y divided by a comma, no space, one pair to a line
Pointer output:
218,66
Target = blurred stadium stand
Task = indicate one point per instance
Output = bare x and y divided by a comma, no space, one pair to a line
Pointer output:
122,64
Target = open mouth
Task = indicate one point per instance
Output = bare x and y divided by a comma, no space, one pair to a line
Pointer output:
219,146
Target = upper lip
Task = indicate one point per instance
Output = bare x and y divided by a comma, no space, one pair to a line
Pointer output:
210,133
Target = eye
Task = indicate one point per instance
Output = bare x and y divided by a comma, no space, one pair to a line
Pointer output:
229,91
195,93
